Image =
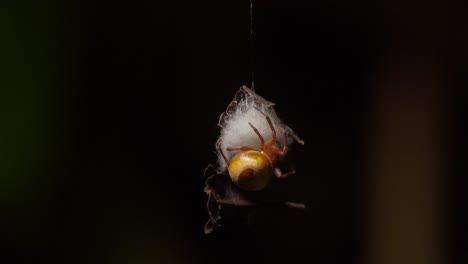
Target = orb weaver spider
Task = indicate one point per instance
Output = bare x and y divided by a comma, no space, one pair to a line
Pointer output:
245,168
251,169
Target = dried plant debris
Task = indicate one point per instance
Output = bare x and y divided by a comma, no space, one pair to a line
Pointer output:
252,142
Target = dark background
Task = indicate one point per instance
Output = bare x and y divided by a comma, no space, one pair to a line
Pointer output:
110,113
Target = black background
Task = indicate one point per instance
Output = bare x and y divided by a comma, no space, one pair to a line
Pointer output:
148,81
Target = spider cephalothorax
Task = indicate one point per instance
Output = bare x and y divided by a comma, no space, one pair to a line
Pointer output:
251,169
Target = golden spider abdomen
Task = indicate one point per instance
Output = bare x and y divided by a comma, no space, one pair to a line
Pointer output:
250,170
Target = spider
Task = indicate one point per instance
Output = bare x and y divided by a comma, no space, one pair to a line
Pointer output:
252,169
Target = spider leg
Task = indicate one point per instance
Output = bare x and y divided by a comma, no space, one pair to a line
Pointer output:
222,153
285,144
273,137
281,175
262,141
243,148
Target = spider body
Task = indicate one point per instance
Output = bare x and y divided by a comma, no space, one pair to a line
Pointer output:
251,169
